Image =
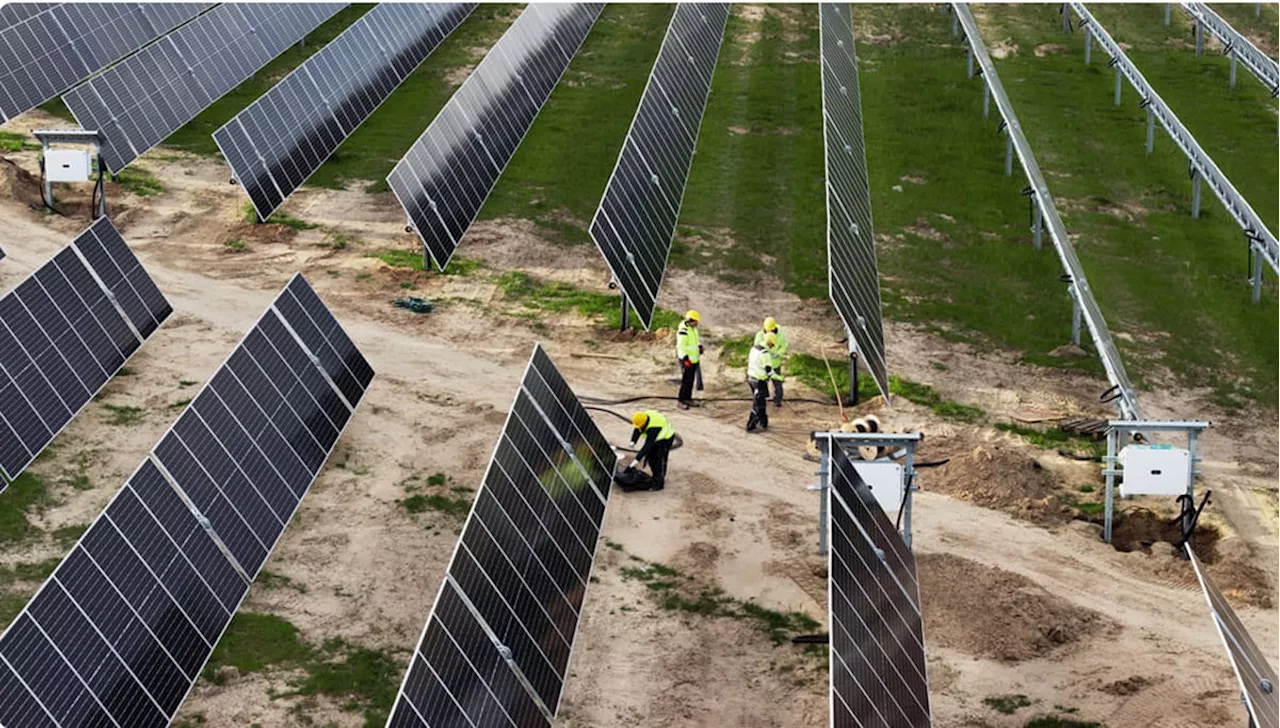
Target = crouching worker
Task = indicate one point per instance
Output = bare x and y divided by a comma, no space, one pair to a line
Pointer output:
760,363
658,435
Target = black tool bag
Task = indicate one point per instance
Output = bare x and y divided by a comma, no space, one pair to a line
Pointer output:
633,479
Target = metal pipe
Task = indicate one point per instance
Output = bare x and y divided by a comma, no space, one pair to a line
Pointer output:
970,62
1195,195
1118,81
1076,315
1111,483
1257,274
853,379
955,23
626,314
1088,44
1199,37
1066,18
1008,154
1168,13
986,100
1233,69
908,482
1151,129
1037,227
824,490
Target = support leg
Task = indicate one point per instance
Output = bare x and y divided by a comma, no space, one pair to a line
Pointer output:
1257,275
1066,18
970,61
908,482
1151,129
1233,69
1195,196
1168,13
1111,483
1199,38
853,379
1008,154
1076,315
955,23
986,100
824,490
1037,226
1088,44
626,314
1119,80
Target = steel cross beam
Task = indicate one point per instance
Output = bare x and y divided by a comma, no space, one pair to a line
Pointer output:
1079,290
1238,47
1261,240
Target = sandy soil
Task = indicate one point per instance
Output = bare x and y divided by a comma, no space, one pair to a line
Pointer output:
1019,598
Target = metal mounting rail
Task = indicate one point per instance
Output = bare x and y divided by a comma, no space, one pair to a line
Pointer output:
1081,294
1235,46
1262,242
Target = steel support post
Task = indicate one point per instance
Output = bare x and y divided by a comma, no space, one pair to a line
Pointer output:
48,186
1257,10
1077,314
1037,226
1257,274
908,482
1191,481
1119,80
1110,464
626,314
1066,18
970,54
1008,153
1151,129
1199,38
1088,45
1168,13
986,100
955,23
824,489
853,379
1233,69
1195,194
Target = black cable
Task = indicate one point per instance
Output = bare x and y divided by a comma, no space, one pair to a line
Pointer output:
629,400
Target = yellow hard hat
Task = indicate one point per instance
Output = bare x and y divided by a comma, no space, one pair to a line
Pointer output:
770,340
693,316
770,324
639,419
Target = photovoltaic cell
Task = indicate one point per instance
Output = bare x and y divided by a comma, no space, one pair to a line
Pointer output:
281,139
1257,679
448,173
46,48
123,627
520,571
64,332
878,674
852,276
139,102
636,219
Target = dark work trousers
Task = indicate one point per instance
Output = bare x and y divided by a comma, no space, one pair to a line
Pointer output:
759,404
777,392
657,460
688,374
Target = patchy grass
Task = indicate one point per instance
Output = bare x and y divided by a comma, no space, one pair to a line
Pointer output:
236,246
123,414
140,182
339,241
455,508
14,142
271,580
1006,704
25,493
734,350
925,395
180,403
251,215
398,258
65,536
184,383
32,571
1054,439
813,372
1057,721
557,297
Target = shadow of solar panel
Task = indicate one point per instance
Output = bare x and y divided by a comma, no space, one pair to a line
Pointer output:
448,173
636,219
123,627
852,276
1253,670
47,48
280,140
64,332
878,674
496,648
139,102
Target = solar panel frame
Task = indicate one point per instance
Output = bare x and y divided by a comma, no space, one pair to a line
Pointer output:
878,672
331,93
448,173
1247,661
519,572
138,103
658,152
96,331
76,40
219,573
853,279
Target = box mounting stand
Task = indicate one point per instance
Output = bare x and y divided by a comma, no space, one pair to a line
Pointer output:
907,441
1111,462
70,166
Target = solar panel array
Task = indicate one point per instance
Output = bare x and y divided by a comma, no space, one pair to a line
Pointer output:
1258,681
448,173
279,141
64,332
852,276
636,220
121,630
878,676
138,103
46,49
516,583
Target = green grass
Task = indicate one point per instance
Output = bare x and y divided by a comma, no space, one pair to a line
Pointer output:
812,372
122,414
557,176
1054,439
180,403
279,218
398,258
197,135
734,351
456,508
140,182
25,493
65,536
33,571
557,297
1006,704
14,142
271,580
236,246
255,641
437,479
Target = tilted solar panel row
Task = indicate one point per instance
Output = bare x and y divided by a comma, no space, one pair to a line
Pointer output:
636,220
448,173
517,580
878,673
121,630
64,332
853,278
280,140
138,103
46,49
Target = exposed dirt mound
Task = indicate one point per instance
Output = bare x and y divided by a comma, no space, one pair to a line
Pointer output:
1240,577
19,184
1137,529
992,613
1127,686
999,476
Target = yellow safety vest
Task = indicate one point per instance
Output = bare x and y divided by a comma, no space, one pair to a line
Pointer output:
687,341
656,419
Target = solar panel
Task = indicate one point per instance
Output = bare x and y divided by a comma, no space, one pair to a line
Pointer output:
281,139
878,675
496,647
64,332
121,630
852,277
636,219
46,48
448,173
1257,680
136,104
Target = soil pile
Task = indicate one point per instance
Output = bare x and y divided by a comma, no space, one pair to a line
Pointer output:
992,613
1001,477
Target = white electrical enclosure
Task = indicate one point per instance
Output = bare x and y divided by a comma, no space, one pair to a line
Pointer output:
884,477
1154,470
68,165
